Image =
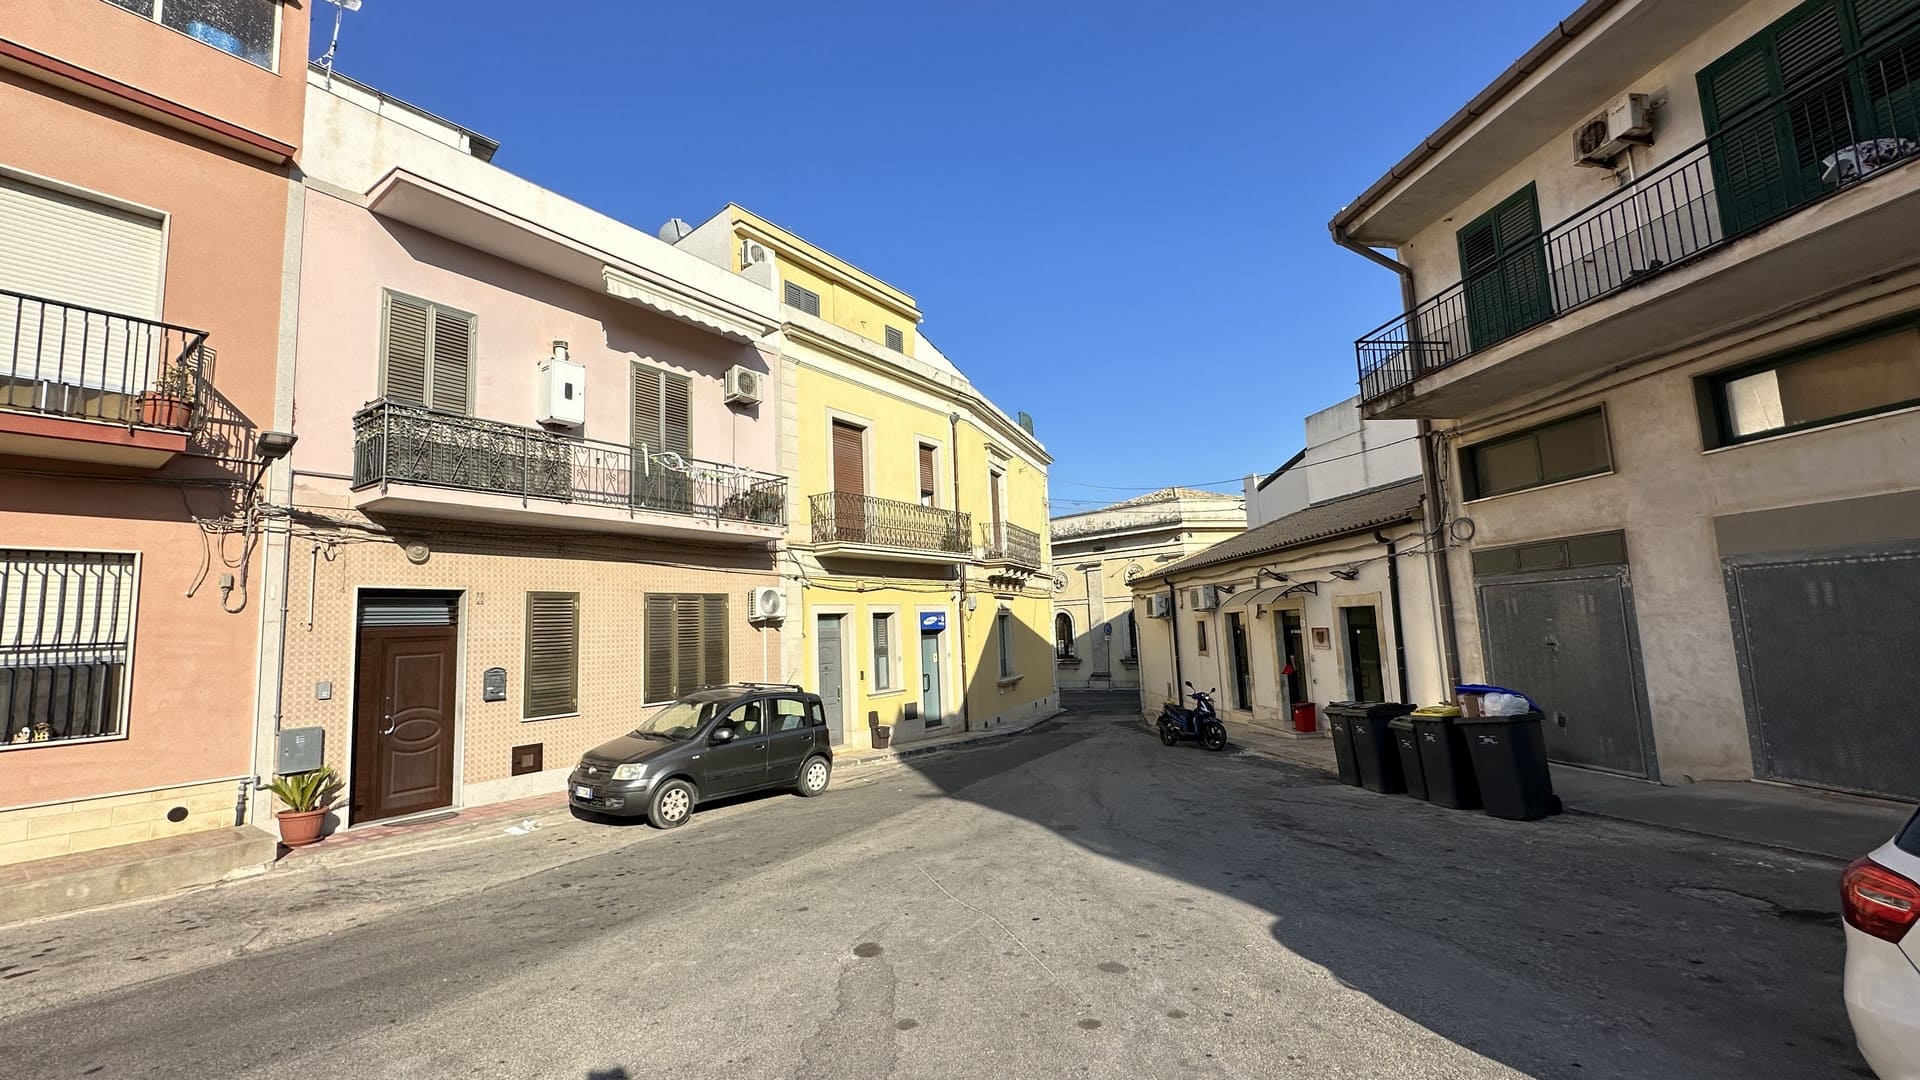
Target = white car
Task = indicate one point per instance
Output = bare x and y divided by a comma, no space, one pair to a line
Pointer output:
1880,898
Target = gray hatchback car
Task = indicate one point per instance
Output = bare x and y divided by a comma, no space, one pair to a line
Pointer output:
715,742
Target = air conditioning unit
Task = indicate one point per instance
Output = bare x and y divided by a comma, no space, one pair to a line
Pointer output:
561,390
743,385
751,254
1203,597
1157,606
766,603
1626,122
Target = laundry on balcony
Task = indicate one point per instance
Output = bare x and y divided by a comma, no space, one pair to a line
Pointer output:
1856,161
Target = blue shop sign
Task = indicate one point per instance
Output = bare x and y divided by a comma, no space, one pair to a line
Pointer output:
933,620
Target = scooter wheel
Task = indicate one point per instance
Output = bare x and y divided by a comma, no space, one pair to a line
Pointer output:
1168,735
1214,737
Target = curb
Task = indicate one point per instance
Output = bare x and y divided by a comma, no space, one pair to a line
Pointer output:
893,757
1600,815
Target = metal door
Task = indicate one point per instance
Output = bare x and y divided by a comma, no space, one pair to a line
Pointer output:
1242,678
403,732
930,680
831,682
1567,639
1826,646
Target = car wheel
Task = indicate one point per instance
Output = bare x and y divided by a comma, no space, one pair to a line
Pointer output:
672,805
814,775
1214,737
1168,734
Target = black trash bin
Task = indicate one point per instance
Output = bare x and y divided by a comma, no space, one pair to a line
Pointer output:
1406,743
1373,751
1510,763
1445,762
1341,718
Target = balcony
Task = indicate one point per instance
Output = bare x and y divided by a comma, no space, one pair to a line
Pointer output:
80,384
1009,547
860,526
412,461
1784,202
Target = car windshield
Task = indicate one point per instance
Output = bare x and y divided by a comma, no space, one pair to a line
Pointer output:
678,720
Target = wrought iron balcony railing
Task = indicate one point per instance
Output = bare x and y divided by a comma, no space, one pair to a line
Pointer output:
409,444
67,360
1008,543
1852,121
843,518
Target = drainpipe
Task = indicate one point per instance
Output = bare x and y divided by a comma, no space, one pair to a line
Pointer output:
960,609
1393,602
1173,634
1436,530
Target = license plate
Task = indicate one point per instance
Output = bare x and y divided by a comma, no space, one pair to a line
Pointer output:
582,791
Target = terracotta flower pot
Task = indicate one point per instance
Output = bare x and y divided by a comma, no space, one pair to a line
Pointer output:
298,828
166,411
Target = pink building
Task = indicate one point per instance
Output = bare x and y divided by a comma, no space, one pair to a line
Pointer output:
144,186
534,485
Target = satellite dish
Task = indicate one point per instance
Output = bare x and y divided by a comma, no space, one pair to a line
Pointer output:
675,230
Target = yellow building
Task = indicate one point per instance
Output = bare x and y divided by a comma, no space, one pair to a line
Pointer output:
916,570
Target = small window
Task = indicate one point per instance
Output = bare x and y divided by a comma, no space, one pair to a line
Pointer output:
1133,637
929,487
1201,625
1003,631
686,643
244,28
884,649
896,340
1063,636
817,715
789,714
552,674
1563,450
805,299
66,640
1824,386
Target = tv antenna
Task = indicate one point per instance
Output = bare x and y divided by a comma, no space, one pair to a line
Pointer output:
340,8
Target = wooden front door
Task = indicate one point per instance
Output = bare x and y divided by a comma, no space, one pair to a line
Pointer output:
403,724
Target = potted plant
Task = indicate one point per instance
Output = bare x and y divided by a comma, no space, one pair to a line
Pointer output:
308,795
170,403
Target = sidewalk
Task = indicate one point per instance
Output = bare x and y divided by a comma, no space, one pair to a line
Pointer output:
1800,820
868,758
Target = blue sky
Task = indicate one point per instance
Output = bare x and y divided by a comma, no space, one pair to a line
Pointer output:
1113,216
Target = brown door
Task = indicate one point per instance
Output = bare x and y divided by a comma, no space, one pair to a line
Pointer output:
849,482
996,496
403,721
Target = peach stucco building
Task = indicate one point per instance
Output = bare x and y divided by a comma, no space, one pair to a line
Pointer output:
535,483
144,189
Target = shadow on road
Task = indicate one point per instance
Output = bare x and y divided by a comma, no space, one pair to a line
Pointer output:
1560,948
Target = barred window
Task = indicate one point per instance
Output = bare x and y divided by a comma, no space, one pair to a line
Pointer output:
66,643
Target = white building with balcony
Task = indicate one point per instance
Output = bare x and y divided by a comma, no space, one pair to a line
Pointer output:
1662,308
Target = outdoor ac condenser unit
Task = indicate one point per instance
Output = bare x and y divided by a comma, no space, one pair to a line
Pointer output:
1627,122
766,603
743,385
1203,597
1157,606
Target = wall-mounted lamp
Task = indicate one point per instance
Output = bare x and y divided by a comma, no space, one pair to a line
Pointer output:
1274,574
271,446
1348,574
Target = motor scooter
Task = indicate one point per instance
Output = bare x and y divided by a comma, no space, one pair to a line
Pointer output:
1200,723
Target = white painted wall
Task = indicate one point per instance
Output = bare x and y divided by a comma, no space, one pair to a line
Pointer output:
1344,454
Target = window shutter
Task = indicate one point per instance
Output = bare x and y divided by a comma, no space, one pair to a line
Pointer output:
849,459
713,617
646,407
896,340
405,363
1872,15
676,414
926,471
452,368
1810,46
882,655
552,668
659,637
1504,265
805,299
686,644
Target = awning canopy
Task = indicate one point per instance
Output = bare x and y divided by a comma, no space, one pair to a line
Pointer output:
1254,597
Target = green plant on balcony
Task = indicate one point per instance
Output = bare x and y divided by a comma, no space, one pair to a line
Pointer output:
760,505
169,404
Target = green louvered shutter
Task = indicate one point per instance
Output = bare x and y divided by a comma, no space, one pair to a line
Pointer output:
686,644
713,645
659,639
403,366
451,373
552,674
1873,16
1503,262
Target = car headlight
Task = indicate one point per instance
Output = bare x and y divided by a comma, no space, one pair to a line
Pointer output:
629,772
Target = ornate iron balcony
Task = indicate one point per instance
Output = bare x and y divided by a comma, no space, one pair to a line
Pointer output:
843,518
1010,544
66,360
409,444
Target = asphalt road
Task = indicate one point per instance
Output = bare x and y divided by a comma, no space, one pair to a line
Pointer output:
1075,901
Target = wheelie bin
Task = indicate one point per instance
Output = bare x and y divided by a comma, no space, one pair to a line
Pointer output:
1373,751
1510,763
1406,743
1444,759
1340,722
